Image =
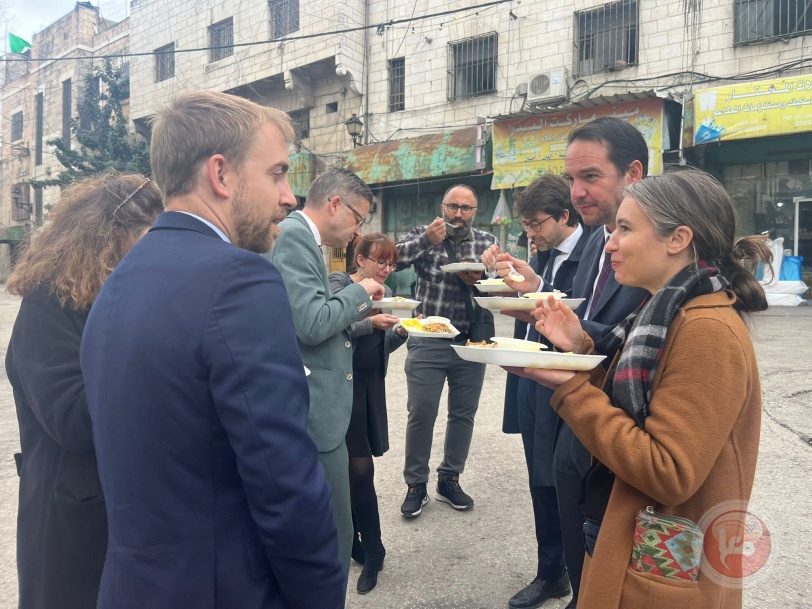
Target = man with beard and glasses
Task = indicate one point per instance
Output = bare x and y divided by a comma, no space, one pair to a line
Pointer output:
196,389
333,214
432,361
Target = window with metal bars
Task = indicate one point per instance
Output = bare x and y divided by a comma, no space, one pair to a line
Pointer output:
301,123
472,66
17,126
606,38
397,84
221,40
284,17
67,100
39,106
763,20
20,197
165,62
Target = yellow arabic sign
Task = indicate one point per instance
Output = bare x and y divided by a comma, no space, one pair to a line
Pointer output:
755,109
525,148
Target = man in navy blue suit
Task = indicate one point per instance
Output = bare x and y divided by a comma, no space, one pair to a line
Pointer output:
196,389
552,226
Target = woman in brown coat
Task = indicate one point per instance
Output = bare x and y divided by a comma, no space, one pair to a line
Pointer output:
674,424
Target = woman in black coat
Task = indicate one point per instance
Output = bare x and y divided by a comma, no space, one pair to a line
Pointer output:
61,521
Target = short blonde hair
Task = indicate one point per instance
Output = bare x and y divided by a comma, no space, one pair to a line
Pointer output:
200,124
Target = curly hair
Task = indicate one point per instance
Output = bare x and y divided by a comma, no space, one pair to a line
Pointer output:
90,229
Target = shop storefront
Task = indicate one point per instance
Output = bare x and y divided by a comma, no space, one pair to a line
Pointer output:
756,138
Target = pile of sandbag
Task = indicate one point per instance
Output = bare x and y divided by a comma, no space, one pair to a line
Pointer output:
782,280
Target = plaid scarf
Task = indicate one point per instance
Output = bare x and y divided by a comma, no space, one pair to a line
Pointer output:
642,337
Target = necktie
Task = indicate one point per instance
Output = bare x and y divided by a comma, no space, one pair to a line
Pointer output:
603,277
548,273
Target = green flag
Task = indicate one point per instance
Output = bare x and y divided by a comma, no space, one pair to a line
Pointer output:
17,44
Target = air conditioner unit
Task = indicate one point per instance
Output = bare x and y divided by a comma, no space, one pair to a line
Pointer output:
547,87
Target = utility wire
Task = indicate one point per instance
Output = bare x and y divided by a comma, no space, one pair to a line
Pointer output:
379,26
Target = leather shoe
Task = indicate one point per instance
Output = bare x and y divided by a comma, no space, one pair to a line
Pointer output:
369,575
538,591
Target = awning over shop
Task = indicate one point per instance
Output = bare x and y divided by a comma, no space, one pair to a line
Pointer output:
438,154
753,109
303,170
528,146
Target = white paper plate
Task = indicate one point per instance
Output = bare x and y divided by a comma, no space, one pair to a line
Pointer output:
528,359
496,303
462,266
494,288
389,303
420,334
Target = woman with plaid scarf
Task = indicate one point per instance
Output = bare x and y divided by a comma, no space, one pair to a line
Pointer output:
673,425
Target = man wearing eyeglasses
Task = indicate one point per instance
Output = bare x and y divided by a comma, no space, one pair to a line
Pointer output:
552,226
333,215
432,361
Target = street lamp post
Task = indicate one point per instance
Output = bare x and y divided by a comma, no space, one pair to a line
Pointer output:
355,128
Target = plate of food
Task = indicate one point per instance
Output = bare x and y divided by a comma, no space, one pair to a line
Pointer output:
493,286
395,302
497,303
430,327
456,267
517,344
484,353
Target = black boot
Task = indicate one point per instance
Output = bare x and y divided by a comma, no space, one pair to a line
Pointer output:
369,524
357,552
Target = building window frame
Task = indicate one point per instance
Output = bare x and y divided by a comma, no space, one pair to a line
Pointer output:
39,108
397,84
164,62
284,17
21,202
301,123
607,38
221,39
757,21
472,66
17,126
67,103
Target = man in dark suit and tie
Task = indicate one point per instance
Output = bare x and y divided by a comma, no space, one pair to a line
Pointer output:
196,389
552,226
334,212
603,157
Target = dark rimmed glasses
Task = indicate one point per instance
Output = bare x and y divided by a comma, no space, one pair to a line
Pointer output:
454,208
359,219
382,264
534,224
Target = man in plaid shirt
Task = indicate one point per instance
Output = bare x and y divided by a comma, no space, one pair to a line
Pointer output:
432,360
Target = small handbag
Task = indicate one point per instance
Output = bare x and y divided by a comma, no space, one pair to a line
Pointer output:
668,546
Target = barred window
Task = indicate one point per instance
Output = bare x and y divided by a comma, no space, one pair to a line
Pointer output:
606,38
165,62
39,107
284,17
472,66
21,200
17,126
762,20
221,40
397,84
301,123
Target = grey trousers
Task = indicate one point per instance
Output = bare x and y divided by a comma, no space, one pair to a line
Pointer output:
336,470
429,363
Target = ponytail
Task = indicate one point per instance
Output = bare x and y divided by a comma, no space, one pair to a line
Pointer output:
739,267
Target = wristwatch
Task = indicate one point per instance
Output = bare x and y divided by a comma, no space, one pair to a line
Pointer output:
405,333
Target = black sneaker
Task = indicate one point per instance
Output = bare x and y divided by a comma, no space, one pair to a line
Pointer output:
449,490
416,498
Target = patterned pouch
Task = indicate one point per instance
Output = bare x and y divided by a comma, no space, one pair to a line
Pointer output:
665,545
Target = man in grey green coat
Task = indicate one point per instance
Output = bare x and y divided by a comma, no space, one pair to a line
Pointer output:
336,206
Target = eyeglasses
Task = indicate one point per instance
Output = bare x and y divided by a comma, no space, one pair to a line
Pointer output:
534,224
382,264
454,208
359,219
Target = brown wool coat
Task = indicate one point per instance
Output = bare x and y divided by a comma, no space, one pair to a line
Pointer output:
698,449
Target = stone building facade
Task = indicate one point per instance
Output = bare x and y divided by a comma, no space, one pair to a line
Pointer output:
40,94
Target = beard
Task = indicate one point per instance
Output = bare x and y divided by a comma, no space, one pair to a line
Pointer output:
253,230
459,231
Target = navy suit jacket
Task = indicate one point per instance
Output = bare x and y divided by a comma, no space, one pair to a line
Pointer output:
198,399
563,282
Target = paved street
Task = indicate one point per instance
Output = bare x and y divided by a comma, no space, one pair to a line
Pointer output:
478,559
